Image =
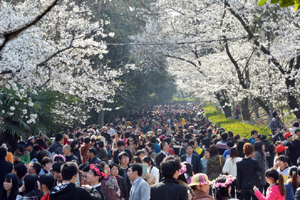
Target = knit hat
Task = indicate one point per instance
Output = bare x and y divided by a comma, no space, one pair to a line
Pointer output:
199,179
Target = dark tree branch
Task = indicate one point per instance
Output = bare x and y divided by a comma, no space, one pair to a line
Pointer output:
251,36
12,34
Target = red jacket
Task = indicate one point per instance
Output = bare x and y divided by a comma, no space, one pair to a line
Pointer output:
45,197
273,193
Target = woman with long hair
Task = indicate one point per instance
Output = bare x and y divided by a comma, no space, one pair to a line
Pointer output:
291,184
151,169
75,149
239,146
140,144
261,158
222,185
29,190
109,184
215,163
230,167
10,187
185,176
276,190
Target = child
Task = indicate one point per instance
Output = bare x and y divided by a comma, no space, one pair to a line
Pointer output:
276,190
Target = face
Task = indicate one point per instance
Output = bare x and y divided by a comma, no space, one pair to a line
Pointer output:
107,170
263,148
204,188
89,155
76,146
91,178
125,160
121,148
131,175
189,150
142,155
114,171
145,163
47,167
166,147
57,176
140,142
7,185
206,154
281,164
84,178
255,135
131,141
270,180
31,170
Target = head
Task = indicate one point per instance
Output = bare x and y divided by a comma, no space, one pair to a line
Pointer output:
59,138
148,161
56,167
91,153
248,149
222,184
164,146
20,170
200,182
233,152
30,183
259,147
206,154
149,147
186,173
213,150
170,167
275,114
69,172
224,136
3,153
123,158
254,134
74,145
272,176
189,149
293,177
120,145
283,162
288,137
34,168
20,149
135,171
59,158
10,184
114,169
84,176
46,164
47,182
67,150
141,154
96,174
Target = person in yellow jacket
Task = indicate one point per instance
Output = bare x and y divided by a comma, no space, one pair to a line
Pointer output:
9,157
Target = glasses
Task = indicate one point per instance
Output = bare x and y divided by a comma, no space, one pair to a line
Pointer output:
125,158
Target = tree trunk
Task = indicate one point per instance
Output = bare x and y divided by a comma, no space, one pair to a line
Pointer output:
245,109
224,102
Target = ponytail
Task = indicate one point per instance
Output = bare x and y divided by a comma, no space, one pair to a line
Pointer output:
281,184
294,181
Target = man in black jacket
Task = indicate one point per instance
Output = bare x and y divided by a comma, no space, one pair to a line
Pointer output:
92,155
56,148
162,154
69,155
68,190
169,189
247,176
192,159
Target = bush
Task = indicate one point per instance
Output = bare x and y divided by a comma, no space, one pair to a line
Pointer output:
236,126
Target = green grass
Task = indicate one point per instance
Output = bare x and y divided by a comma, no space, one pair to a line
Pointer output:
236,126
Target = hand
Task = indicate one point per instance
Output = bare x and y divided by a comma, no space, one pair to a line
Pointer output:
118,194
86,187
255,188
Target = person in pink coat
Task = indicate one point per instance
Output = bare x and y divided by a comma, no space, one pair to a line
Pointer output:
276,190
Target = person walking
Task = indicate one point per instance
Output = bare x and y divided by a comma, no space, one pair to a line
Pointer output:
140,189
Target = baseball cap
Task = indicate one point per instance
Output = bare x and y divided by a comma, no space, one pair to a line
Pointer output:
199,179
281,148
286,135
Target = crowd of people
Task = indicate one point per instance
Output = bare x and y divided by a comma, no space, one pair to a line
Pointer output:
166,152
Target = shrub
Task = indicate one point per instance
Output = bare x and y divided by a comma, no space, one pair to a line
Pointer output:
236,126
